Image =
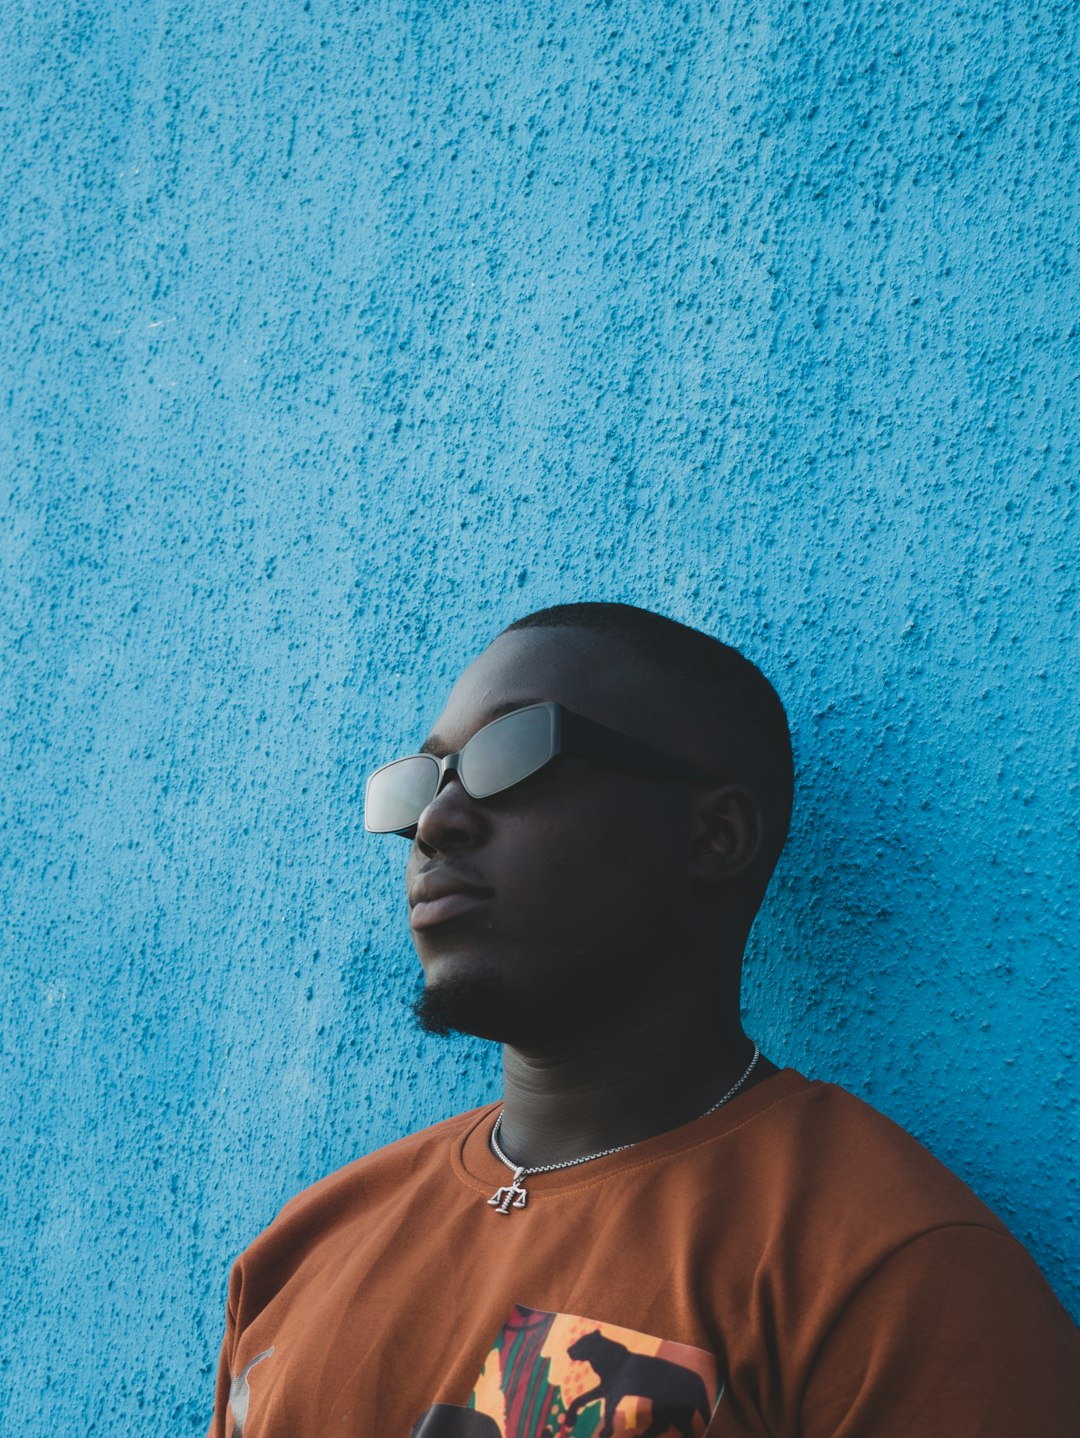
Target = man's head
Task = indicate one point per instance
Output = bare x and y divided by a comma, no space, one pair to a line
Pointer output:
592,892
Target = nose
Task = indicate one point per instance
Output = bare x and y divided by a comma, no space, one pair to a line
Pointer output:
453,820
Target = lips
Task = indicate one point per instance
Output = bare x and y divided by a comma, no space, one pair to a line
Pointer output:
441,895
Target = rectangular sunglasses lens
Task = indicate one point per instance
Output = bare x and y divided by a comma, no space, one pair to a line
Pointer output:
507,750
398,793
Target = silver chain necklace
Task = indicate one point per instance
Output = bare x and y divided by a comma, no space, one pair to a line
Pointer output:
513,1194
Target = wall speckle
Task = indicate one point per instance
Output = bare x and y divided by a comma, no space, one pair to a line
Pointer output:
336,338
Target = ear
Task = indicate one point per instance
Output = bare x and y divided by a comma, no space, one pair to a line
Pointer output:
727,833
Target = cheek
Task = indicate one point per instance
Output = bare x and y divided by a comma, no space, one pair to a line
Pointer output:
594,873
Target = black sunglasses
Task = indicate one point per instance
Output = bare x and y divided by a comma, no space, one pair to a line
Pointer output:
502,754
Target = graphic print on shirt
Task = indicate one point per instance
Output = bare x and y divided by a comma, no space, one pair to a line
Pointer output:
556,1375
240,1393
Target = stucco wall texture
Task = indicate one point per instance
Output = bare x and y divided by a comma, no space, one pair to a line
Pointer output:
337,337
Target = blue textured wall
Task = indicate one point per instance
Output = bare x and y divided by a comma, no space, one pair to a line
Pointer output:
339,335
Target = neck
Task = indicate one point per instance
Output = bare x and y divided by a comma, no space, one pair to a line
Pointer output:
625,1083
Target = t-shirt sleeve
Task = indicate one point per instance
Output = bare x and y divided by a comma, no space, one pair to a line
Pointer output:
957,1334
221,1426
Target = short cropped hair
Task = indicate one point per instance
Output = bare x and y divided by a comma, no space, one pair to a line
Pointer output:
735,701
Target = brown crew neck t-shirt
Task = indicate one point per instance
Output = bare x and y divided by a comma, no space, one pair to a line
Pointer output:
793,1264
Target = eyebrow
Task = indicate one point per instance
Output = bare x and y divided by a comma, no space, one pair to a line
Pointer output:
435,744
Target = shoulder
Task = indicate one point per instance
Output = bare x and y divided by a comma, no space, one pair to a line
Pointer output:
948,1327
847,1145
890,1285
383,1168
838,1188
314,1227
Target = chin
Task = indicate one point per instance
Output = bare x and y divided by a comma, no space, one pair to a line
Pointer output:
471,1002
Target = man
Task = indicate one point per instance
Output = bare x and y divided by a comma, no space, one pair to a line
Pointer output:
657,1231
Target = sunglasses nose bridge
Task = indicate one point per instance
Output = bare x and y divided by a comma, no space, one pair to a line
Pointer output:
456,821
448,764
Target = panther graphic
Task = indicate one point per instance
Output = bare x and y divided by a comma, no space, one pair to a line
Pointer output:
676,1393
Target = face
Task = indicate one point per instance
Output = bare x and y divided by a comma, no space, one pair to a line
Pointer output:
551,908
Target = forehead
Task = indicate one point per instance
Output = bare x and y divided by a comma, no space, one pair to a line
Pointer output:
590,673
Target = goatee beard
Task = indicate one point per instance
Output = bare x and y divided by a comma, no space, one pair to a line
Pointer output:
475,1004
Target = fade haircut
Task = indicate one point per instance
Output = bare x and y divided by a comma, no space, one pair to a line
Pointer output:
737,705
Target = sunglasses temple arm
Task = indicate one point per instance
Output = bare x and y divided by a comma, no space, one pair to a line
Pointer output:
596,741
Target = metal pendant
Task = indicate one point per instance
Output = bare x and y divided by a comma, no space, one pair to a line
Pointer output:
511,1195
